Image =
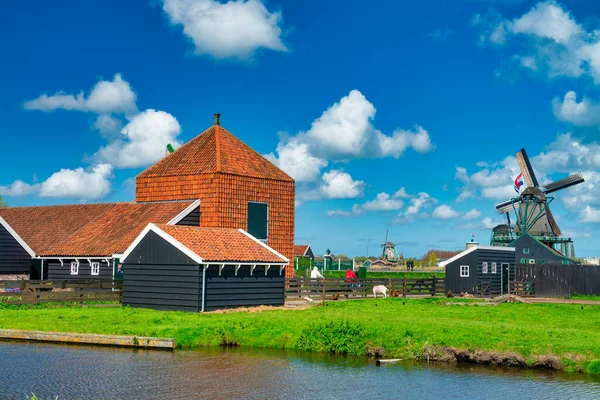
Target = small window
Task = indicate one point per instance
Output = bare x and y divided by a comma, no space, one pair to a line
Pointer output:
95,268
565,262
522,261
531,261
543,262
484,268
525,250
464,271
258,220
494,268
74,268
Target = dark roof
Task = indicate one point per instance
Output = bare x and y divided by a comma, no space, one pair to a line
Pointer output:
87,229
215,150
222,244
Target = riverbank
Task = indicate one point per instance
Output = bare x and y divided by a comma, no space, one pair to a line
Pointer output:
391,328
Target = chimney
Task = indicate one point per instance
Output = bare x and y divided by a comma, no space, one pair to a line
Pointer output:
472,243
217,119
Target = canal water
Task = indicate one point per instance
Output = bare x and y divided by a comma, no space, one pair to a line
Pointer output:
81,372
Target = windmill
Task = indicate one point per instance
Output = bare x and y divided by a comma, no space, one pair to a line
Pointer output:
532,210
388,250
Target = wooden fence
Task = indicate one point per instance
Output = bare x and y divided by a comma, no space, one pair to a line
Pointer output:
557,280
325,288
60,291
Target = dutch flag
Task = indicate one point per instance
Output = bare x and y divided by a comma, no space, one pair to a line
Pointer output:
519,182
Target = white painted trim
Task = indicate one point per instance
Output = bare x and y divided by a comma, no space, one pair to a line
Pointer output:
221,266
16,236
468,269
174,242
184,213
306,251
267,267
472,249
71,258
265,246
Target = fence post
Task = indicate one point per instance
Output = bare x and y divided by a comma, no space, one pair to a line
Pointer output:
433,286
404,287
22,285
390,285
323,290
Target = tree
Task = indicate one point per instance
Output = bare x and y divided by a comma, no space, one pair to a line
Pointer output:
342,256
401,259
432,259
2,203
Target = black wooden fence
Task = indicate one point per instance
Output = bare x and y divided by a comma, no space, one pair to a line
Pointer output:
556,280
319,288
60,291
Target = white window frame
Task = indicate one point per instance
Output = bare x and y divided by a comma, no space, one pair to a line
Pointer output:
74,268
494,268
484,268
525,250
95,265
464,271
531,261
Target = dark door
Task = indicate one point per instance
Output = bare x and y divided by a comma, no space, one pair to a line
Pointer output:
505,277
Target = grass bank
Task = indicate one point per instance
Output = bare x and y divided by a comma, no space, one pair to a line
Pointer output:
516,334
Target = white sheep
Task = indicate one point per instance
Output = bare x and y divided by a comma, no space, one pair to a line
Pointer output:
380,289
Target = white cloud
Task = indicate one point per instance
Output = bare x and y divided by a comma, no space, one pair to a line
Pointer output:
416,209
236,28
343,213
143,140
401,194
584,113
488,223
114,96
590,215
296,160
344,132
551,39
340,185
78,183
383,202
472,214
445,211
18,188
494,181
107,125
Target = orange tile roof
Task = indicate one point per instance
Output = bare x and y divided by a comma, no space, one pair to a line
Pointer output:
114,230
300,249
221,244
215,150
43,227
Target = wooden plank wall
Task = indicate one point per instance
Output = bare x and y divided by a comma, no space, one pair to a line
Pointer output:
13,258
557,280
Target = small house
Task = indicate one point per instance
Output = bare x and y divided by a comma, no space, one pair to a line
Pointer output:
529,250
303,251
480,270
170,267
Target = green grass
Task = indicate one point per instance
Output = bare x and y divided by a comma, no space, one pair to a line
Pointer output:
393,275
399,328
585,297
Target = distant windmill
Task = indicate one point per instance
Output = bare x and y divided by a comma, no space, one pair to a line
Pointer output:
388,249
532,209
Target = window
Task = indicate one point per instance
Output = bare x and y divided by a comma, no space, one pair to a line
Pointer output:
484,268
494,268
522,261
525,250
464,271
543,262
531,261
258,220
74,268
95,268
565,262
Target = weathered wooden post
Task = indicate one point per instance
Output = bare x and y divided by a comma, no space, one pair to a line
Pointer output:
323,289
433,286
404,287
390,285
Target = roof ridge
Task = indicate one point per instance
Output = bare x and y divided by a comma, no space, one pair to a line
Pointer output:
112,203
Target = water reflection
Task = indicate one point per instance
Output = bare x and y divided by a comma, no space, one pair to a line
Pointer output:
102,373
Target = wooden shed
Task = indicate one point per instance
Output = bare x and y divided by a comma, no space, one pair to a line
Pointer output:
481,270
187,268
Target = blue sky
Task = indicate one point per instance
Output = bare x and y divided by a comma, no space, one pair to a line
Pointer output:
355,100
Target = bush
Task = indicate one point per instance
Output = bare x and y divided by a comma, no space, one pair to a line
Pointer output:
334,337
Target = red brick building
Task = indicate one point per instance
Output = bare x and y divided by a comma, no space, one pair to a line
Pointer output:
237,187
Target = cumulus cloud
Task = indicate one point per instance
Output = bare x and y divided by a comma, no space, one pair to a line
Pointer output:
489,223
416,209
114,96
142,141
383,202
494,183
234,29
343,213
584,113
340,185
445,211
472,214
107,125
401,194
344,132
553,42
18,188
79,183
590,214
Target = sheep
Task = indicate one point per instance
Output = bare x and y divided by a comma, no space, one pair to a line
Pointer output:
380,289
395,293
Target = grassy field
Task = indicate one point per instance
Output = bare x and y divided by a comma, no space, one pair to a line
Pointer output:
395,275
393,328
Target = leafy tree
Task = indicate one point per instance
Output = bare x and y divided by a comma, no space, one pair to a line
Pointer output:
303,265
360,259
432,259
2,203
401,259
342,256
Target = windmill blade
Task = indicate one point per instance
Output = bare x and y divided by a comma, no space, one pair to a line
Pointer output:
552,222
526,169
560,184
507,206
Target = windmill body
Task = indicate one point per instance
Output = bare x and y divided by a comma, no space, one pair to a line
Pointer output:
531,210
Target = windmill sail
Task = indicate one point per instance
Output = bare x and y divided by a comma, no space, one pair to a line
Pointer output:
526,168
569,181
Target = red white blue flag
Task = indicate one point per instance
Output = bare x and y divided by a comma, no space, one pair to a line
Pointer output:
519,182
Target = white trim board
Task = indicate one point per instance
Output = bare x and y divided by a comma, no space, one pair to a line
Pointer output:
174,242
16,236
184,213
265,246
472,249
